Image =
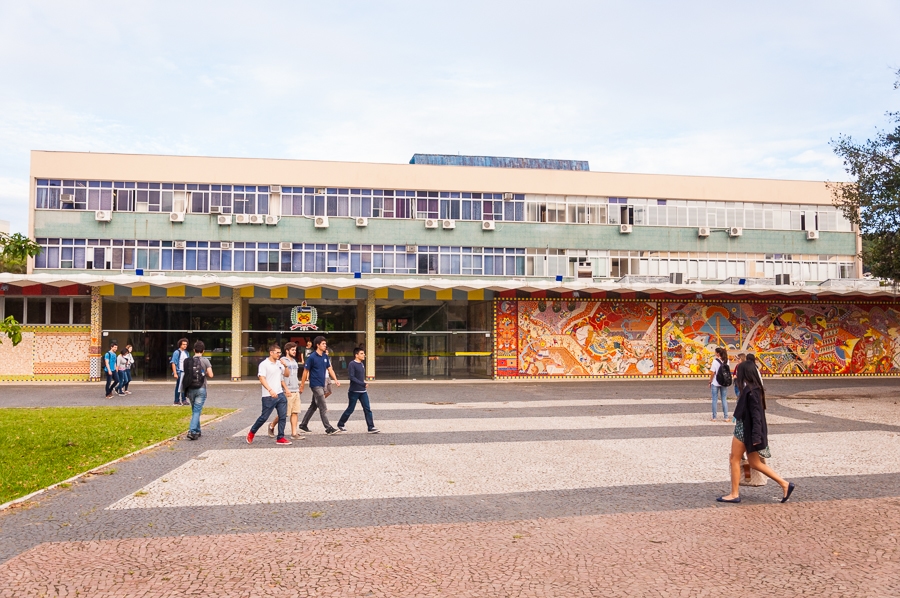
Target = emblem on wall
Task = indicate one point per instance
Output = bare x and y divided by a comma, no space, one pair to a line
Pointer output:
304,317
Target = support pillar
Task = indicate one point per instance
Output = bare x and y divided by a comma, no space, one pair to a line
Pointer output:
237,320
95,351
370,335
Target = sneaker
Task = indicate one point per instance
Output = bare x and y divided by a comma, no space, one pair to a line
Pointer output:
121,394
342,428
108,396
271,431
192,436
374,431
304,428
185,403
250,436
332,431
298,437
283,440
128,392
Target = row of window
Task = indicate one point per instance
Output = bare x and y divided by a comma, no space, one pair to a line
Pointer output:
453,205
215,256
46,310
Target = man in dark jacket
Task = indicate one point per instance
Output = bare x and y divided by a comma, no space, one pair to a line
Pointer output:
358,392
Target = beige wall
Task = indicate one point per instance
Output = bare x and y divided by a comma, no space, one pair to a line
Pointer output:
253,171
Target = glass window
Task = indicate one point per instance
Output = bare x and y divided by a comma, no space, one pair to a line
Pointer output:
59,311
15,307
37,310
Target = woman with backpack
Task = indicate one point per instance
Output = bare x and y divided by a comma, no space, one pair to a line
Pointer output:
719,381
751,433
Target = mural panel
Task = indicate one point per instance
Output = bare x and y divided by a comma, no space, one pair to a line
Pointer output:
788,338
570,337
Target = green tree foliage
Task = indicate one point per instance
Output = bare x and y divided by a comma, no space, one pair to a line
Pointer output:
14,251
872,200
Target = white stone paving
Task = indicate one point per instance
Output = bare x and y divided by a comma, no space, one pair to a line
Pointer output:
871,410
531,404
254,475
496,424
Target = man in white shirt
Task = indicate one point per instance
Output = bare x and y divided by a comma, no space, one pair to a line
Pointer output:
274,389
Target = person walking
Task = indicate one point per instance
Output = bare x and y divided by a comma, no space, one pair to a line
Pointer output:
751,433
274,389
109,366
177,362
719,381
121,371
291,371
307,351
196,371
738,361
317,368
358,392
129,364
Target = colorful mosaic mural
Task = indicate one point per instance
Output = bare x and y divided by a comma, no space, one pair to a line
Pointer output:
808,338
568,337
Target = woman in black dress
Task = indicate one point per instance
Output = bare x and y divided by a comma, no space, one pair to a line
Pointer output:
750,431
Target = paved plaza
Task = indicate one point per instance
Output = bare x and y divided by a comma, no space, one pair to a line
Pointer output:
479,489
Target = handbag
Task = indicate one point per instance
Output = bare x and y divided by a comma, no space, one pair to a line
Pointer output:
751,477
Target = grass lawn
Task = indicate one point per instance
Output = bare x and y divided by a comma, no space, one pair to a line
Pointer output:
39,447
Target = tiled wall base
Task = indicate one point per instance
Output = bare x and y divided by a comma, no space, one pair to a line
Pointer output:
46,378
48,353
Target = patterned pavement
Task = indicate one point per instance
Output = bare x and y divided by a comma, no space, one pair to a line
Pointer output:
480,489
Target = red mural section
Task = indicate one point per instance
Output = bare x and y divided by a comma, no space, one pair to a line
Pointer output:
570,337
588,338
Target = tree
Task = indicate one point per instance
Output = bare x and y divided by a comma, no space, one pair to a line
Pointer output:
14,251
871,200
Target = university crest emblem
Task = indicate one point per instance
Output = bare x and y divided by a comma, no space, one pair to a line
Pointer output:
304,317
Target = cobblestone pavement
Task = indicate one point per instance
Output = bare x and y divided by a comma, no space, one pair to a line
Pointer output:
479,489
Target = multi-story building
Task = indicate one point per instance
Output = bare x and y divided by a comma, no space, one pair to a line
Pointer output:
446,267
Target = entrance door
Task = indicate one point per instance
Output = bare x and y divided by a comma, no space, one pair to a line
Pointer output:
428,356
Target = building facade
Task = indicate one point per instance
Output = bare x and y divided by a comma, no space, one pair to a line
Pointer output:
447,267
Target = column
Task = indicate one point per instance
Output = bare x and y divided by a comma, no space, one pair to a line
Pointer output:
370,335
95,351
237,320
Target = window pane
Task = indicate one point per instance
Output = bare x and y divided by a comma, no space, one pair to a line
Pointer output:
81,311
15,307
59,311
37,310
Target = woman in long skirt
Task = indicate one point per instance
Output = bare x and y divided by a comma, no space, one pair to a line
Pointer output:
751,432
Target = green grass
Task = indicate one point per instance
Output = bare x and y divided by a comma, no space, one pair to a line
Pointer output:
39,447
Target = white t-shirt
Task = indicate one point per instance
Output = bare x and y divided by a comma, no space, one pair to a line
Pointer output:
715,370
273,373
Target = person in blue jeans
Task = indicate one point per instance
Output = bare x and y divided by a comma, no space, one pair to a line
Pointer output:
717,390
358,392
274,397
197,396
109,367
177,362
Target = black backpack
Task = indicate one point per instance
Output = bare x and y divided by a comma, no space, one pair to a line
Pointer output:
194,374
723,374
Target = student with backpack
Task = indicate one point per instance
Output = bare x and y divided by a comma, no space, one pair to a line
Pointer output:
195,371
109,366
719,380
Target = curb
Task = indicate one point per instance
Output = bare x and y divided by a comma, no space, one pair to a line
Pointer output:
76,477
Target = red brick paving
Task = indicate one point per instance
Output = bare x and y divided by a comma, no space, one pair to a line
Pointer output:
839,548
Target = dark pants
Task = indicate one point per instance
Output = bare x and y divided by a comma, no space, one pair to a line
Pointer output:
363,398
317,402
269,404
112,380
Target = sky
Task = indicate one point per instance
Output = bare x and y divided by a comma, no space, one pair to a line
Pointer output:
700,88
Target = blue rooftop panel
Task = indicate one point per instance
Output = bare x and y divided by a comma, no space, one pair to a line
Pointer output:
498,162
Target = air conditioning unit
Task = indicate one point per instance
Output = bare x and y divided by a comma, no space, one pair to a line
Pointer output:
625,229
431,223
412,248
343,246
488,225
362,221
676,278
735,231
67,198
782,279
703,231
215,209
103,215
507,197
257,219
271,220
242,218
274,188
448,224
812,235
225,245
224,219
693,281
321,222
176,217
320,190
286,246
178,244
